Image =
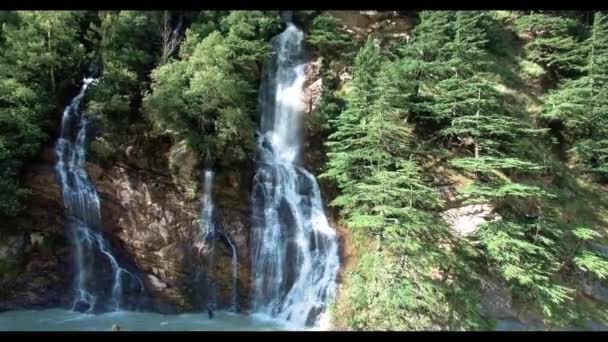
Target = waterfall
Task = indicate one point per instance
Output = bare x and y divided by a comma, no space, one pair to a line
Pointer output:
235,295
208,231
210,234
208,226
91,251
295,256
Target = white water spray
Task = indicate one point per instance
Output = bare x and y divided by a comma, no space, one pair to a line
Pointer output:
294,250
83,211
210,234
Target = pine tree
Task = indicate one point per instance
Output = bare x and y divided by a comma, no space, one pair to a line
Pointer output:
486,140
329,39
552,42
383,195
581,104
345,158
424,57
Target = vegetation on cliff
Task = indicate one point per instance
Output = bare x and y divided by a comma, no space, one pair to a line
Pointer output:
448,88
509,106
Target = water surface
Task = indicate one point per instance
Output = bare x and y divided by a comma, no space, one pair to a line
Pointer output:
65,320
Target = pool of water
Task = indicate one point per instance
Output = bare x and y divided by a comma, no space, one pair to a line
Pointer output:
65,320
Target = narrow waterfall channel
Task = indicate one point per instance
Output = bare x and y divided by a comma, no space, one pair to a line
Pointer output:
295,256
92,253
210,232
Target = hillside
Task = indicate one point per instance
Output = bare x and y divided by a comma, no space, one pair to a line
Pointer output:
461,157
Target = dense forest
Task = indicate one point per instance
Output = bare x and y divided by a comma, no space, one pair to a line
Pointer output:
509,107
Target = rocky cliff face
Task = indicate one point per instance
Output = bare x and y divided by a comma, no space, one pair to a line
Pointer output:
150,204
150,213
35,259
150,194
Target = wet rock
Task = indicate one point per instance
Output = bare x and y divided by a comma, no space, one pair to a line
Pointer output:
154,281
81,306
38,279
154,216
596,290
11,247
313,85
183,164
94,171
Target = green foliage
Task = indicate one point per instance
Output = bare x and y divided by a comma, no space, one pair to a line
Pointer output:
128,46
328,38
102,150
553,42
382,193
585,258
208,97
593,263
52,53
40,57
580,104
247,34
440,84
527,264
444,80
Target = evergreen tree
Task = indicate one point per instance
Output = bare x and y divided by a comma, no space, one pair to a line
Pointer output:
345,158
384,197
487,139
329,39
425,58
581,104
552,42
40,58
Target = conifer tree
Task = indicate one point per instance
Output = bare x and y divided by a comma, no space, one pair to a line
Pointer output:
345,158
552,42
581,104
383,195
486,138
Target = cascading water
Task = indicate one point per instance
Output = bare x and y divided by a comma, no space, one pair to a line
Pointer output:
294,250
81,203
208,230
235,296
210,234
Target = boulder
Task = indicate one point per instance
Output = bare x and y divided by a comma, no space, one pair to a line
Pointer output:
466,220
313,85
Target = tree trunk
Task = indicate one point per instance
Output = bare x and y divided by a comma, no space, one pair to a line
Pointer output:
477,115
165,34
170,38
